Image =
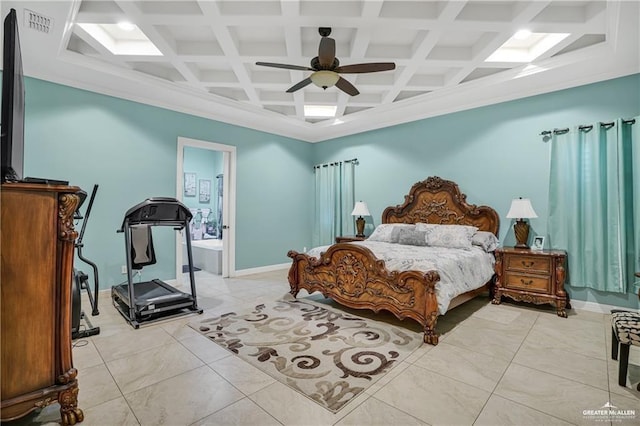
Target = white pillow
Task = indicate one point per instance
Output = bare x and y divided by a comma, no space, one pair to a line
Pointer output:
451,236
383,231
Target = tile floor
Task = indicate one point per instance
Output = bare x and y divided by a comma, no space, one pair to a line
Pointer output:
512,364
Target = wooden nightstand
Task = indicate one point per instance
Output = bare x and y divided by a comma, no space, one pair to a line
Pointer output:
348,238
532,276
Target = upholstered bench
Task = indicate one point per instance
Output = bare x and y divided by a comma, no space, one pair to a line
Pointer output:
625,331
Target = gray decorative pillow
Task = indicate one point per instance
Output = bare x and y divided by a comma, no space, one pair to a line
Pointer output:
412,237
486,240
451,236
383,232
395,232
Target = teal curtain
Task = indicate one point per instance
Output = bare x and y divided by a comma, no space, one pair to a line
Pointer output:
630,134
594,192
334,201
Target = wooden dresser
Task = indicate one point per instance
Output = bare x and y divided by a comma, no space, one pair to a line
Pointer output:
535,276
37,239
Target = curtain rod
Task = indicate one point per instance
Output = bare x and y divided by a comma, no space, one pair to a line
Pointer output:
335,163
554,131
585,127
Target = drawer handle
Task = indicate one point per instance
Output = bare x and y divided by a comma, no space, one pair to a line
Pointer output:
529,282
527,263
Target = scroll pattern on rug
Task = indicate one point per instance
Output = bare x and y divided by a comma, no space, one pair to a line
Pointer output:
328,356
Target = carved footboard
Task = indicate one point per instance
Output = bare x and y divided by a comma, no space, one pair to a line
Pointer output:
352,276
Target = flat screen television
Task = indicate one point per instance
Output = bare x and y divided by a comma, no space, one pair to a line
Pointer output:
12,140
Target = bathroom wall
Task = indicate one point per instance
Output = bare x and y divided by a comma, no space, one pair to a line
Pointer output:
206,165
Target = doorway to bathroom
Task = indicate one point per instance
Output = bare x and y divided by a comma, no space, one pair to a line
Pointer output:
206,176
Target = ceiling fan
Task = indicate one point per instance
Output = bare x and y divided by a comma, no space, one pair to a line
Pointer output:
326,67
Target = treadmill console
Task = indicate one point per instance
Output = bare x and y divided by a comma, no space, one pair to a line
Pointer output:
158,210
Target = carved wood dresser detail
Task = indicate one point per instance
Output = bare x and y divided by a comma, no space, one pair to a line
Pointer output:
532,276
37,264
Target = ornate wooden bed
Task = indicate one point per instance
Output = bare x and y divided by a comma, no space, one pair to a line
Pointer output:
352,276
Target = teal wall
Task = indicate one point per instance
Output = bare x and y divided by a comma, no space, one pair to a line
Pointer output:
495,153
129,149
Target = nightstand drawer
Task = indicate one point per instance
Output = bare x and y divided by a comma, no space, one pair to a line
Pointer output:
528,264
527,282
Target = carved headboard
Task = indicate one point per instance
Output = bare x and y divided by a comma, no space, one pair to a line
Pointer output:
436,200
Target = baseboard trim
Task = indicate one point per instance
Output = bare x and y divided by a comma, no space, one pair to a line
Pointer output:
595,307
269,268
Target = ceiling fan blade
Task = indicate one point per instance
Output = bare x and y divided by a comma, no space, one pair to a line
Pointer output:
284,66
370,67
326,52
299,85
347,87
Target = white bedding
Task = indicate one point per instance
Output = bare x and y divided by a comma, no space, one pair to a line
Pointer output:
460,270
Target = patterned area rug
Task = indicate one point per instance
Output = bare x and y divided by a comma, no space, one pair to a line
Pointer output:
328,356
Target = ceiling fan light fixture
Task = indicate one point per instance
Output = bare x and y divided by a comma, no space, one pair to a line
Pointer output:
326,68
324,78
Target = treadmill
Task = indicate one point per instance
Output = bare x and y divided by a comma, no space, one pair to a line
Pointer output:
152,300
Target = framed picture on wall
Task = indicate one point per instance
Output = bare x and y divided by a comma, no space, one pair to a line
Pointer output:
189,184
204,190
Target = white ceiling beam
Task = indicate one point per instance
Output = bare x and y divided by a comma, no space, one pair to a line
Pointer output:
221,31
423,47
211,50
164,44
293,41
490,44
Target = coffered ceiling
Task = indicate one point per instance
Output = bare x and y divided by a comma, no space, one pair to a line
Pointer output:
206,51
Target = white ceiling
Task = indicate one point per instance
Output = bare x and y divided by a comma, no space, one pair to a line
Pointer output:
210,48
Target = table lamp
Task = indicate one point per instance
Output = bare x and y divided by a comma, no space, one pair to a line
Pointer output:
360,209
521,209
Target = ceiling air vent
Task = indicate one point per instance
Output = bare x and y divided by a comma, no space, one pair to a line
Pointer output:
38,22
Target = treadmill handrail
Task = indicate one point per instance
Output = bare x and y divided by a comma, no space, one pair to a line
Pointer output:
157,202
179,223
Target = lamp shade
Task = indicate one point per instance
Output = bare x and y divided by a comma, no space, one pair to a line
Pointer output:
324,78
360,209
521,208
